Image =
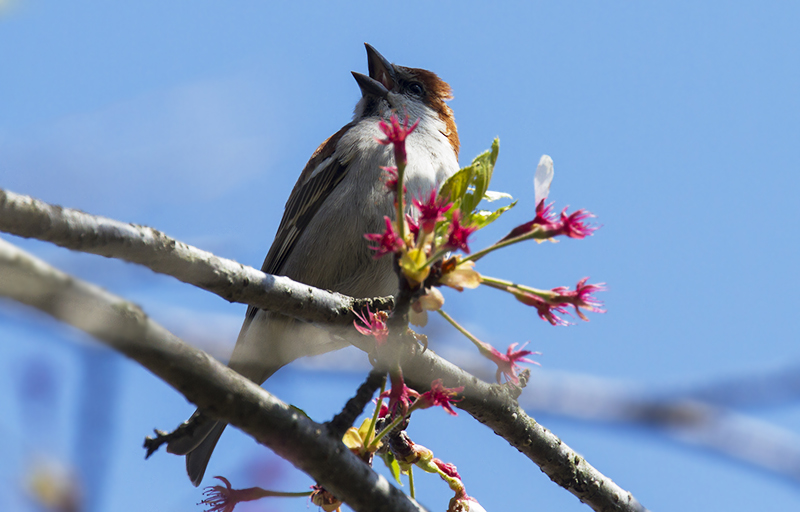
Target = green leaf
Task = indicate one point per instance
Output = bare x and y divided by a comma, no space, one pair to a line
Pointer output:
483,218
393,466
482,168
466,188
487,169
456,185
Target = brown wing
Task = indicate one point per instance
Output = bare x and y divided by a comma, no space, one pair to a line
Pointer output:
306,198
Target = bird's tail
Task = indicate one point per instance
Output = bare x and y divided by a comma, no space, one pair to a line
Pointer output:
197,459
199,446
256,359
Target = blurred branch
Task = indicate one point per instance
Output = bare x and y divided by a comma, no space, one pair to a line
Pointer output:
220,391
691,421
126,327
679,414
757,389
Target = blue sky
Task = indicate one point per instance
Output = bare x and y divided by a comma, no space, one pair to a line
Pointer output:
678,125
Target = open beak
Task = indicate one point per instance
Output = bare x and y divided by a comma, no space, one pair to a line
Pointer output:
381,75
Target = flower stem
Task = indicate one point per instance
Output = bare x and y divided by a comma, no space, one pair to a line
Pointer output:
502,284
538,234
374,444
256,493
493,282
401,218
280,494
438,254
371,430
411,482
478,343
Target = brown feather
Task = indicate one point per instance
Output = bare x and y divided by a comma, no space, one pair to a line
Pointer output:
322,152
437,92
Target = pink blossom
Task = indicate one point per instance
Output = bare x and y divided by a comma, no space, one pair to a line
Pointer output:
544,218
546,310
388,241
432,211
219,498
413,226
544,215
574,225
458,234
396,134
400,396
507,363
374,325
581,297
439,395
224,499
390,179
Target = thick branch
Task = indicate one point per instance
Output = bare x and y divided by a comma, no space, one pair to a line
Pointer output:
218,390
73,229
496,407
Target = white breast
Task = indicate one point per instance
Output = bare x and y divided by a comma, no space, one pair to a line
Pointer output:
339,257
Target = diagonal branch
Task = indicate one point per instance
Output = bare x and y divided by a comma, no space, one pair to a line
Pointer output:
218,390
28,217
496,406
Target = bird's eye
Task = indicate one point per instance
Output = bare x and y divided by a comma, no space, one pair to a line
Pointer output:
416,88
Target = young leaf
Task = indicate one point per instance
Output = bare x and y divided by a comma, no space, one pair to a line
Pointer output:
483,167
483,218
393,466
483,185
456,185
468,186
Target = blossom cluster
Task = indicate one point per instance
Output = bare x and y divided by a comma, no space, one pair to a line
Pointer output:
425,246
401,453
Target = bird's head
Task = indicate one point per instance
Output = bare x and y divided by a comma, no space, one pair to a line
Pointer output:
413,92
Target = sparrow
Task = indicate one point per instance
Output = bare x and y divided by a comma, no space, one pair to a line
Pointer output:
340,196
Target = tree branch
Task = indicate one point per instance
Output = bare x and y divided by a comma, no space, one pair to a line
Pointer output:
218,390
493,405
73,229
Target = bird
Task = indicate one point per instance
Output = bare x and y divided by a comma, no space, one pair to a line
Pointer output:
341,195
